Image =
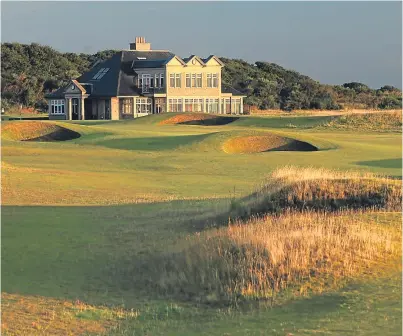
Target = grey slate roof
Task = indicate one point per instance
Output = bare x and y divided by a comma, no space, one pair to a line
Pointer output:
118,81
59,93
154,59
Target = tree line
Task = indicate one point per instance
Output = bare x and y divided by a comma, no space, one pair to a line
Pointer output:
29,71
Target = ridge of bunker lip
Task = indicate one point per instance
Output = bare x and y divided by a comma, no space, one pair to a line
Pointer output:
37,131
200,119
265,143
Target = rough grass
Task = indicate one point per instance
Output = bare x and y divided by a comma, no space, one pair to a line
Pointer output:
66,251
265,143
37,131
265,257
320,189
198,119
309,249
380,122
37,315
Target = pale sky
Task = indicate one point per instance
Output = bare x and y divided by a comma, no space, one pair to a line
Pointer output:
332,42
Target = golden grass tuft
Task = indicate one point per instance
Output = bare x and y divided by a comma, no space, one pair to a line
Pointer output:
302,252
379,122
265,143
286,241
37,131
306,188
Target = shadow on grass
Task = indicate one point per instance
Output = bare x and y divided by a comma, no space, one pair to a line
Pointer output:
86,251
63,134
217,121
386,163
152,143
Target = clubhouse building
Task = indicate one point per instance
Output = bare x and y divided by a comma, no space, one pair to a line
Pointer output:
141,81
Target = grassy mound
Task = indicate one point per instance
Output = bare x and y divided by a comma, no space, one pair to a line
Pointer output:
277,256
198,119
320,189
265,143
383,121
265,254
37,131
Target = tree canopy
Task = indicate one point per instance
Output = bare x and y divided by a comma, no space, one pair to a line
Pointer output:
28,72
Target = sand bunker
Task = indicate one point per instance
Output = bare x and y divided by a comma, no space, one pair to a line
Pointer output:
265,143
198,119
37,131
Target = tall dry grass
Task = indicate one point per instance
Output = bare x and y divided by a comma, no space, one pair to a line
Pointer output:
295,244
265,256
308,188
387,121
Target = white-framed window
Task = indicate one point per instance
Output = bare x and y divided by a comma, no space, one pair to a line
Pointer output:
175,80
146,81
194,80
236,105
212,80
57,106
188,81
199,80
215,80
159,80
100,73
143,105
227,106
125,105
178,81
172,80
209,80
193,105
212,105
175,105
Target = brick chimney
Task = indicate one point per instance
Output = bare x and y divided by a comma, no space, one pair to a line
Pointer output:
140,44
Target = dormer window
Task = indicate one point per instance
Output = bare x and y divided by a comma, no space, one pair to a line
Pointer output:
102,72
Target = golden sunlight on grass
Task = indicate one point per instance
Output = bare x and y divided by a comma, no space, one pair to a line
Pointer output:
264,143
321,189
36,315
37,131
301,252
382,121
304,230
